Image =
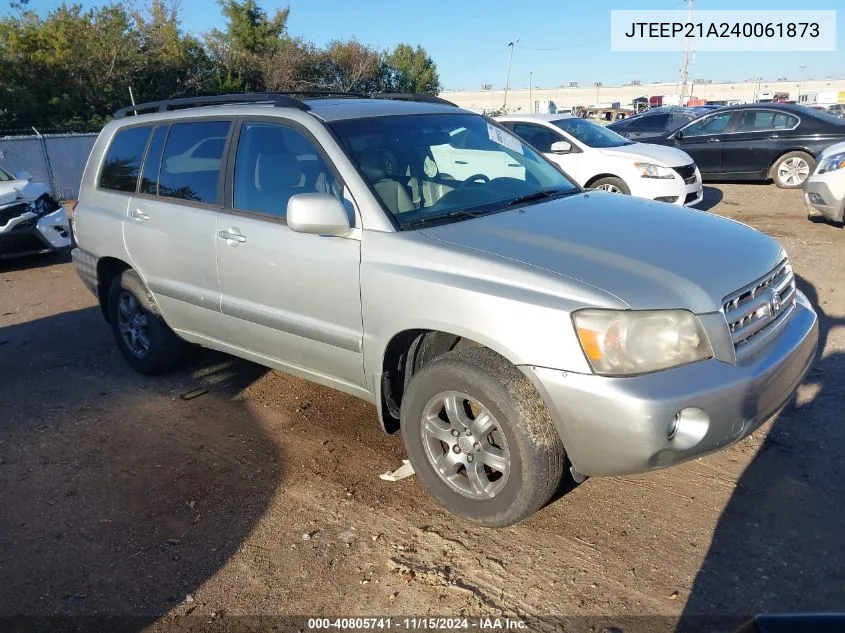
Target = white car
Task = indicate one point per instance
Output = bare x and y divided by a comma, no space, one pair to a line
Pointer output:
602,159
31,221
824,190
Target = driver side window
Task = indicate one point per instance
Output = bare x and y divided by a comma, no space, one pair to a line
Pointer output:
714,124
537,135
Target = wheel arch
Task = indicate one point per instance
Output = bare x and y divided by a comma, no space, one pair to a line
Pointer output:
771,171
108,268
598,177
404,354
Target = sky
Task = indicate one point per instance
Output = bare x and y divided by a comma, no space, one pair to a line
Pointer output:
559,41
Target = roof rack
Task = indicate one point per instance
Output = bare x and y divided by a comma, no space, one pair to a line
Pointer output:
413,96
276,99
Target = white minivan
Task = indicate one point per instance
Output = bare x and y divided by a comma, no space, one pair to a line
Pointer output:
602,159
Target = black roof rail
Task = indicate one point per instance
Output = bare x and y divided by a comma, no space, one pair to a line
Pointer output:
419,97
277,99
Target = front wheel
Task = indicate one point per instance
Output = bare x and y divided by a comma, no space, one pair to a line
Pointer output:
480,438
792,169
611,184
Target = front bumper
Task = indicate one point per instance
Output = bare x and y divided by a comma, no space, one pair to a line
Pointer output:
820,196
613,426
672,191
29,234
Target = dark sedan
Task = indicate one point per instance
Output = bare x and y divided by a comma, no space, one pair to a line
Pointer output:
750,142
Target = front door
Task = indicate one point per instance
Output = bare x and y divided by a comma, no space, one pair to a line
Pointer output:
288,297
541,137
702,139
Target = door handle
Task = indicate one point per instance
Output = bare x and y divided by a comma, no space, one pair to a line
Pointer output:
773,137
139,215
714,140
232,236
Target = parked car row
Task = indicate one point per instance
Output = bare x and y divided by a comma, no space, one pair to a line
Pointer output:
510,324
773,141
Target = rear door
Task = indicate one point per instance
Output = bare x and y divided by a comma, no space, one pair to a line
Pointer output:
289,297
702,139
756,141
643,127
172,220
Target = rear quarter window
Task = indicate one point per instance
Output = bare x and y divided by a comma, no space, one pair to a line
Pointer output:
123,159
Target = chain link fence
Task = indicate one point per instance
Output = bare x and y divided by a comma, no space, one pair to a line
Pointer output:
57,160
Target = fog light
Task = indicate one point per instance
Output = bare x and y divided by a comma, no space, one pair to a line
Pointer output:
667,199
688,428
815,198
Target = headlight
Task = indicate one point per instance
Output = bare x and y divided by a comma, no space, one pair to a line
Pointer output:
832,163
649,170
627,342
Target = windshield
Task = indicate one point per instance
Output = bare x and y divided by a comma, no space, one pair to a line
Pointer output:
591,134
4,175
437,167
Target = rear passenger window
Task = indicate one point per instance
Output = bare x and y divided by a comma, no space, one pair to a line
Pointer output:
123,160
193,157
149,177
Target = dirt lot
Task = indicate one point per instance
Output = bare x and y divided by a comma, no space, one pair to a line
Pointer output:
261,497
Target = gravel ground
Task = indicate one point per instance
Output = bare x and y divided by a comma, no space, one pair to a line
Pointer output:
261,496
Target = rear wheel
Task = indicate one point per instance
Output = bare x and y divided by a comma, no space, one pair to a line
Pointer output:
480,437
792,169
144,339
612,184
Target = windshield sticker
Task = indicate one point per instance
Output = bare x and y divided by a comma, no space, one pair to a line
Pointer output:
504,139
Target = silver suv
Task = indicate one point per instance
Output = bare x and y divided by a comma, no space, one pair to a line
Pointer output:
510,324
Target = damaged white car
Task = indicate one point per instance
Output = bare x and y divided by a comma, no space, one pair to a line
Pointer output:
31,221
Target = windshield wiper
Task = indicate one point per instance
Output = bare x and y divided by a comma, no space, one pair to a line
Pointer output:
540,195
460,213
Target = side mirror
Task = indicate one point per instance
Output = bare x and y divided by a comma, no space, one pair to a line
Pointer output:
23,175
679,134
561,147
317,214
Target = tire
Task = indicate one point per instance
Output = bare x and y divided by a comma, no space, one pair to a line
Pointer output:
792,169
612,184
521,429
164,350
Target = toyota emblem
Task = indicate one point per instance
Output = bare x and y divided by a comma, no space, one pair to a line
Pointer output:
774,303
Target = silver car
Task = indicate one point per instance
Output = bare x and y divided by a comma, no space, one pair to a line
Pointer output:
515,328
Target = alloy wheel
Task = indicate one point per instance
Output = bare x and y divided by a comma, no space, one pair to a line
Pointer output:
465,445
133,325
793,171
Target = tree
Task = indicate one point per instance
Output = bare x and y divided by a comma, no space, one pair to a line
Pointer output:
411,70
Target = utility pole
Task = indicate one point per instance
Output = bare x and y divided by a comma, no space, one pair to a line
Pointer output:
531,91
597,85
685,65
512,45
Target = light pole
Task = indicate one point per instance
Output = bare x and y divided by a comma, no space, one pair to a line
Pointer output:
531,90
800,81
512,45
597,85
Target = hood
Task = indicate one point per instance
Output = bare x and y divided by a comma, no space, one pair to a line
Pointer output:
660,154
21,190
833,149
648,254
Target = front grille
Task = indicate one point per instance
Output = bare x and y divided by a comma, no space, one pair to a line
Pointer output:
20,244
687,172
757,307
13,211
